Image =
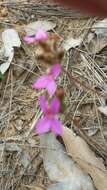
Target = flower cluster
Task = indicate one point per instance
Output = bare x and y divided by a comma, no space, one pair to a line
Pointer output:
52,106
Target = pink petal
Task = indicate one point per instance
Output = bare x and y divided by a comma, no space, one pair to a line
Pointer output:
41,82
29,39
43,103
55,70
55,105
51,87
41,35
56,127
43,126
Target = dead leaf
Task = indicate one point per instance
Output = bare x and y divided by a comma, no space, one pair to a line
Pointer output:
89,37
96,44
4,66
61,168
100,28
92,131
103,109
85,158
10,40
97,38
32,28
71,43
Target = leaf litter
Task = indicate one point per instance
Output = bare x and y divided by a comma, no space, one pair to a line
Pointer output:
78,101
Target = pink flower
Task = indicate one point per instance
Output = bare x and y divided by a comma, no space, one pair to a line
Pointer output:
39,36
48,81
49,122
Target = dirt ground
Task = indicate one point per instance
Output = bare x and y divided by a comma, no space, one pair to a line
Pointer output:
21,165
